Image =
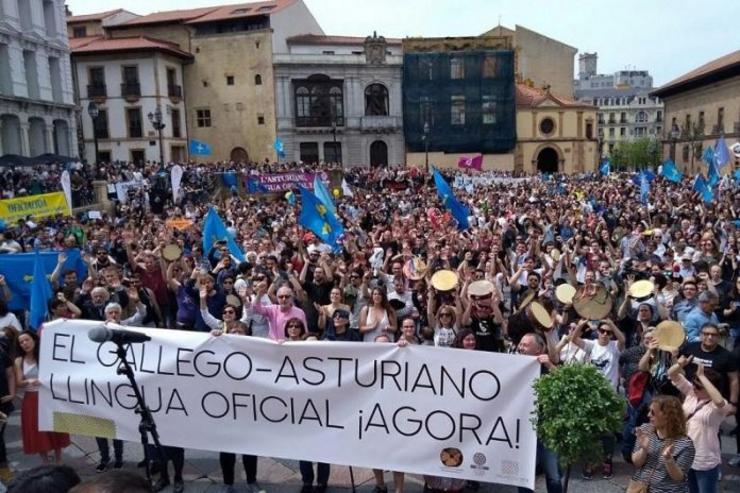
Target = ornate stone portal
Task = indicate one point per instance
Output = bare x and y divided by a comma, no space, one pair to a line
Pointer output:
375,49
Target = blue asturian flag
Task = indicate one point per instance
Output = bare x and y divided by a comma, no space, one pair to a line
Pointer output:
199,148
670,172
18,270
708,156
279,148
637,177
40,293
703,189
605,168
229,179
290,197
721,153
322,193
214,230
316,217
458,211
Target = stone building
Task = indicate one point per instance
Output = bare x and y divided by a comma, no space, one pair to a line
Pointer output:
37,112
554,134
541,61
339,99
700,106
126,80
229,87
627,110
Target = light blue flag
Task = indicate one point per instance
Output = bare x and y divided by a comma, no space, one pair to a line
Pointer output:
279,147
316,217
605,168
670,172
644,188
713,174
18,270
703,189
322,193
721,153
708,156
736,174
458,211
40,293
199,148
290,197
214,230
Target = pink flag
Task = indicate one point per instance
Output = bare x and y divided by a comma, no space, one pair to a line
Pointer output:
475,163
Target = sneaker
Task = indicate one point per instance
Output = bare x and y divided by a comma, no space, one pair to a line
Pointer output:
380,489
178,486
587,473
103,465
320,488
161,484
307,488
255,487
735,461
607,470
118,464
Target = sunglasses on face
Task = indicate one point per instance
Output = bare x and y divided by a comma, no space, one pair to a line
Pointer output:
283,296
602,331
295,326
710,334
229,311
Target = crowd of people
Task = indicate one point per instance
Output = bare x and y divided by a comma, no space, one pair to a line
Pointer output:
527,238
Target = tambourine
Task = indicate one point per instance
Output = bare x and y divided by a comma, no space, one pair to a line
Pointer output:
444,280
641,290
669,334
565,293
414,269
593,306
171,252
233,300
480,288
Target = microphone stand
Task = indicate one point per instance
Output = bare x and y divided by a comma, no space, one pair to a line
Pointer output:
147,425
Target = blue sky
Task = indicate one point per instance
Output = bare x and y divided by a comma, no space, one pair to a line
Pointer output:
668,38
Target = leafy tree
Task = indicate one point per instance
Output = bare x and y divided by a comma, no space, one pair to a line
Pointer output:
576,406
637,154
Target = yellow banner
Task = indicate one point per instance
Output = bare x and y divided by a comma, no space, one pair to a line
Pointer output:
42,205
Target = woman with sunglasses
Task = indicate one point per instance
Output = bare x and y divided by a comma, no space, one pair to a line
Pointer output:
295,330
663,453
705,409
229,316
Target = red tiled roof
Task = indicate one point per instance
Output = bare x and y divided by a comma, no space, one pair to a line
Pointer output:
243,10
722,63
73,19
169,16
75,43
139,43
531,96
210,14
316,39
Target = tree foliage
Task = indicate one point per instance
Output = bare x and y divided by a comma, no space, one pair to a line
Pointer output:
576,406
637,154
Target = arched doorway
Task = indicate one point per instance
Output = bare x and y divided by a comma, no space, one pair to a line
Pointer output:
378,154
10,134
61,137
547,160
239,155
36,136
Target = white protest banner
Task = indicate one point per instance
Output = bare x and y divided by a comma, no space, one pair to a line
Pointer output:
67,188
417,409
176,178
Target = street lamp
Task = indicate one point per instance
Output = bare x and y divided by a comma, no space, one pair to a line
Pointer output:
94,111
675,133
156,121
426,146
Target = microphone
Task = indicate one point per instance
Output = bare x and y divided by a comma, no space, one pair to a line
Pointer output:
117,336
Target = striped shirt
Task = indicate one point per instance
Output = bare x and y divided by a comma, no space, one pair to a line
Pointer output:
654,472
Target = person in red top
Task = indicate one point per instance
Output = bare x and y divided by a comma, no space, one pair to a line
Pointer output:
148,265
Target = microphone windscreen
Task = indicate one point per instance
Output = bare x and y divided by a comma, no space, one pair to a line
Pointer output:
99,334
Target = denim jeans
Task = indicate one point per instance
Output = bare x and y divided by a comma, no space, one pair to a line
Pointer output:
322,471
549,462
704,481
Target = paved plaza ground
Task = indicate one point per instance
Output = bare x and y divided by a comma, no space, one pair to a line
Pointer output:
203,474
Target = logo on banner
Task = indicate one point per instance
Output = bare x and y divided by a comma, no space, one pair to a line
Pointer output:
451,457
479,463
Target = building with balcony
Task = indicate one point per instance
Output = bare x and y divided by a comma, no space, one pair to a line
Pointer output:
125,80
700,106
37,112
339,99
627,110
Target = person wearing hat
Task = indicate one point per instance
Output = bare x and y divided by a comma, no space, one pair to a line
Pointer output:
686,267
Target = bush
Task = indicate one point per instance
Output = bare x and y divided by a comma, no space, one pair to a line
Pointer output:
575,407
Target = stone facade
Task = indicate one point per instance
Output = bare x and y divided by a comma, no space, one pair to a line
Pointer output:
365,126
707,101
37,112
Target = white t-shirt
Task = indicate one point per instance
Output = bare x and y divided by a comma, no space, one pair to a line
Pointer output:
10,320
606,359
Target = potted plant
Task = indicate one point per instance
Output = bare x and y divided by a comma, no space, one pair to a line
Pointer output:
576,406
